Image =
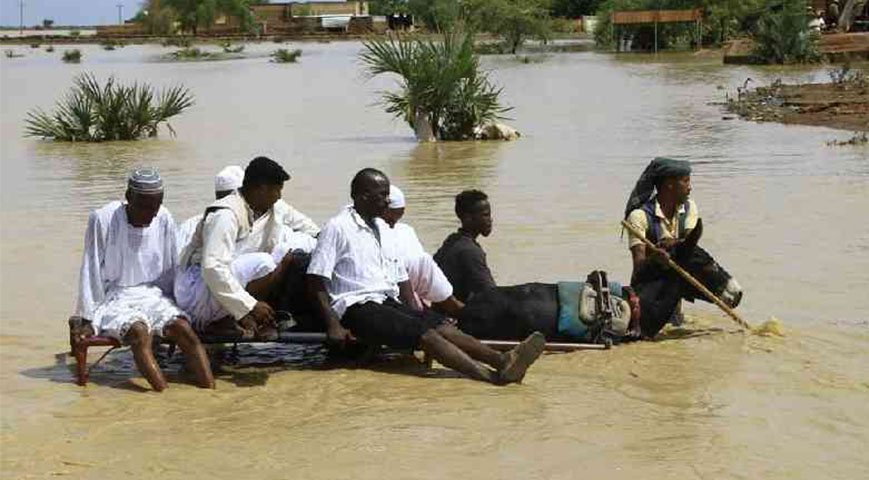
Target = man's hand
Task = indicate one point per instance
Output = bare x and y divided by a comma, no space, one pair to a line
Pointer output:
338,335
667,243
659,256
288,258
262,313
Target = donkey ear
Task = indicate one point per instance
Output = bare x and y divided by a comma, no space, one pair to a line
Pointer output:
687,246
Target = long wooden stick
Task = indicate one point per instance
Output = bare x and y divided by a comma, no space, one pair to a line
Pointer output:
550,346
687,276
319,337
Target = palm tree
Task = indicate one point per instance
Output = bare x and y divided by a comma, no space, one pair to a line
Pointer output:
91,112
443,92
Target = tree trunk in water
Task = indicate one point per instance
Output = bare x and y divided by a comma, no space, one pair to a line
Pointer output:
424,131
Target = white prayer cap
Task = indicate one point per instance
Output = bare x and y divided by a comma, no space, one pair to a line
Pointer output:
396,197
145,180
230,178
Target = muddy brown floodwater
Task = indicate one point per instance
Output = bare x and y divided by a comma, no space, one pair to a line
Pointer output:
783,212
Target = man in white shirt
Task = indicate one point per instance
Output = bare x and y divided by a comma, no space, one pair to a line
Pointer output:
125,281
356,277
236,260
427,280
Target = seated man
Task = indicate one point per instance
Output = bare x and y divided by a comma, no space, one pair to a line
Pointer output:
666,217
660,206
226,182
300,232
355,277
460,257
125,283
235,261
427,281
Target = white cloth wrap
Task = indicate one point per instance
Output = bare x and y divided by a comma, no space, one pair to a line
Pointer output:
142,303
193,295
426,278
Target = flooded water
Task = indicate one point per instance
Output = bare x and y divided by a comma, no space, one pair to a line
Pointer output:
784,213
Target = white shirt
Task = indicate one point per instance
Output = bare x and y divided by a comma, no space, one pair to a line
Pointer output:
118,255
360,264
296,220
184,232
409,246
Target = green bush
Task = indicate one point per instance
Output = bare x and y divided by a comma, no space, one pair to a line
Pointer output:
440,80
282,55
91,112
784,36
228,48
183,42
72,56
190,54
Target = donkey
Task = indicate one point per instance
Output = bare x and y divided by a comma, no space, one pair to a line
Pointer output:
514,312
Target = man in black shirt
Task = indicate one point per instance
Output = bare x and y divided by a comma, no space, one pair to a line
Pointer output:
460,257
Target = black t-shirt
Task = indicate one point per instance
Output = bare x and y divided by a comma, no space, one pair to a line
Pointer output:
463,261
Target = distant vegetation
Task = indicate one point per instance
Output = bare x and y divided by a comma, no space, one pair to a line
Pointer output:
72,56
92,112
111,44
282,55
443,91
183,42
783,36
228,48
190,53
160,17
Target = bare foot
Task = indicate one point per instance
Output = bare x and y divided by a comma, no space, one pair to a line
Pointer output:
520,358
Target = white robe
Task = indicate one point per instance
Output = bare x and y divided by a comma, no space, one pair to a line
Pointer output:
127,272
426,278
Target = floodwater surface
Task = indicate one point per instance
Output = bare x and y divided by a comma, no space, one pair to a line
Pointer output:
784,213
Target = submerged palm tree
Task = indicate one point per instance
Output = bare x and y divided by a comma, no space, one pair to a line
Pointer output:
91,112
444,94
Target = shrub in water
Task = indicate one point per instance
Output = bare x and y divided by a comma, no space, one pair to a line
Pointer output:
91,112
442,87
72,56
282,55
783,35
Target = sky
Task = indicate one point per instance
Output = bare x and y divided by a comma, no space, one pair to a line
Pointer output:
67,12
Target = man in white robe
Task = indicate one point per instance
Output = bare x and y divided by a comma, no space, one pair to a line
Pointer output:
300,232
427,280
125,281
238,258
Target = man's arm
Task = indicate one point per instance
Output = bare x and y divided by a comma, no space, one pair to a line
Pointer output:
218,245
477,271
90,280
298,221
319,296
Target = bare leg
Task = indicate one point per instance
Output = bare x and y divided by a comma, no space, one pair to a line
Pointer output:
512,365
139,340
449,355
472,346
180,332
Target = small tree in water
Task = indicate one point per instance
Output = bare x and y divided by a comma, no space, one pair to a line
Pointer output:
91,112
783,35
444,94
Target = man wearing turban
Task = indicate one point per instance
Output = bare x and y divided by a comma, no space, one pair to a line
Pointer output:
660,206
125,281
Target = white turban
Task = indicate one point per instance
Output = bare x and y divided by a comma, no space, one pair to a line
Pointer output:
396,197
229,178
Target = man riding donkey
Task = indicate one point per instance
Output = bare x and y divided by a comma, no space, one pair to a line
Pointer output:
125,282
356,277
237,262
